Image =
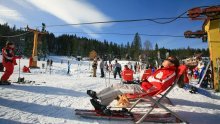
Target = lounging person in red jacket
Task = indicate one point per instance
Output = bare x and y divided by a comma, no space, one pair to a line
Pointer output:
127,75
159,80
8,61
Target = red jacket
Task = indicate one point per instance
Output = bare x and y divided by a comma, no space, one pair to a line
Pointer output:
9,56
160,80
185,79
127,74
26,69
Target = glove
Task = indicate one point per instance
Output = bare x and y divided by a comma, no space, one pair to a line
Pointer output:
14,61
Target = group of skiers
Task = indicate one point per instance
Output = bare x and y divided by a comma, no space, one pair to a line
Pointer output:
103,65
126,73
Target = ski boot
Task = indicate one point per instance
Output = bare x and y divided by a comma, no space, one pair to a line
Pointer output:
107,112
92,94
5,83
123,111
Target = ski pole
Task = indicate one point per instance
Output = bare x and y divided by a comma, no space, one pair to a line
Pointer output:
19,64
50,69
109,78
105,76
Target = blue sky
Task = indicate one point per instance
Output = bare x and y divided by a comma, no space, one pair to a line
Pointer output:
52,12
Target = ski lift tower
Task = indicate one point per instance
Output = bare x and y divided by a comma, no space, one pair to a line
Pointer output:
210,32
33,58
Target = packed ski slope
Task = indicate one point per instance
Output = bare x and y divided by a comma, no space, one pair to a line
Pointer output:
54,95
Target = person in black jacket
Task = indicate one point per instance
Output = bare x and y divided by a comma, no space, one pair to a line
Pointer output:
117,69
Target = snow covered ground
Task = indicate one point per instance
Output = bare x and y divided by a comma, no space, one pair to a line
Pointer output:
54,96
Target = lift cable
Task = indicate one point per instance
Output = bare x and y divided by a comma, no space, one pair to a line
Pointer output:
155,20
17,35
143,34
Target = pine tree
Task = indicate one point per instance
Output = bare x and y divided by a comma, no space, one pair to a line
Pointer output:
156,47
136,46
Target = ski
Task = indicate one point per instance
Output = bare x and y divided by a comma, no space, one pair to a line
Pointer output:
96,114
116,115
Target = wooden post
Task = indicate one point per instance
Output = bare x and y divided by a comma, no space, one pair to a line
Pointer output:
34,57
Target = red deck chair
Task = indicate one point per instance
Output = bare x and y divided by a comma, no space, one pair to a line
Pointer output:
156,102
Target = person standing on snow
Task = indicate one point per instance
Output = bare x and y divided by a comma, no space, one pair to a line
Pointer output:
51,62
102,65
117,69
68,64
8,60
94,67
106,66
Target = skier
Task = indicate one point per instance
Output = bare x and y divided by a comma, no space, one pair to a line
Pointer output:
94,67
117,69
9,60
68,64
162,78
101,65
51,62
48,62
43,65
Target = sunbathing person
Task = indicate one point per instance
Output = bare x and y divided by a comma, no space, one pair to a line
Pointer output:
160,80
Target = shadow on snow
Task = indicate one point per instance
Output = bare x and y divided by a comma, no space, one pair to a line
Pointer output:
47,90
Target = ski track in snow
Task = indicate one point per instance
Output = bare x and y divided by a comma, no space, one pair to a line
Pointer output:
54,102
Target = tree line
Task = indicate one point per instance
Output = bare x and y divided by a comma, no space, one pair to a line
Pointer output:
73,45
